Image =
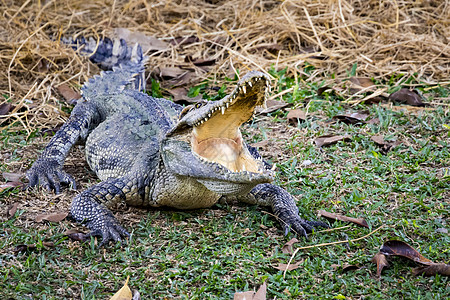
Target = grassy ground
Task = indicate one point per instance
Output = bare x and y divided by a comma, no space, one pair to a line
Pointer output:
215,252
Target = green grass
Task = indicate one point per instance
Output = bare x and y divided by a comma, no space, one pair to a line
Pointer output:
213,253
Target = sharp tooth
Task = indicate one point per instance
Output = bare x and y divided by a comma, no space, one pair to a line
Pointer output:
244,89
223,110
264,105
250,83
201,122
227,104
209,115
206,119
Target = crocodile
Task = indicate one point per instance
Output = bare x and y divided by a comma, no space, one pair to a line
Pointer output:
152,152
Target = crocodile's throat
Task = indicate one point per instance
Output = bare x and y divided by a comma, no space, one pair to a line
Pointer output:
217,138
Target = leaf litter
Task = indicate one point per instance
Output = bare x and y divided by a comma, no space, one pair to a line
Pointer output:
400,248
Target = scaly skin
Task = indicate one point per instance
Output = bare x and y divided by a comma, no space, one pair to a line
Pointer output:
152,152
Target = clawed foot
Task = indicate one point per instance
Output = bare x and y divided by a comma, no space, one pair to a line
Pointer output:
109,229
303,227
48,173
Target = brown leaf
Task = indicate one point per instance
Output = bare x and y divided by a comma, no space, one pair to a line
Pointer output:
76,235
199,62
348,267
400,248
381,261
362,82
261,294
385,145
124,293
288,267
360,221
171,72
406,96
432,270
148,43
272,105
5,108
30,247
68,93
373,121
352,118
56,217
287,248
326,140
14,177
8,185
184,40
296,115
12,209
260,144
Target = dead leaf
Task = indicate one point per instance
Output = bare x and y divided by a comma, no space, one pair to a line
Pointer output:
76,235
408,97
432,270
56,217
360,221
171,72
184,40
296,115
352,118
442,230
30,247
381,261
199,62
12,209
260,144
288,267
147,42
287,248
124,293
326,140
68,93
373,121
14,177
362,82
385,145
5,108
261,294
8,185
272,105
399,248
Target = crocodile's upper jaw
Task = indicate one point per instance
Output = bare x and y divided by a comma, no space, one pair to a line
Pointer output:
212,132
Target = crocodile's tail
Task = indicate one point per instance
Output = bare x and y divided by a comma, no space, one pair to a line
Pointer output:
125,65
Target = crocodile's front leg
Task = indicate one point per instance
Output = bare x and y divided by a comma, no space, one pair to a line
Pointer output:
47,170
283,206
91,208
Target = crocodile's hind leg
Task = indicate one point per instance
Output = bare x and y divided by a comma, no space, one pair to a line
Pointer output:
91,207
283,206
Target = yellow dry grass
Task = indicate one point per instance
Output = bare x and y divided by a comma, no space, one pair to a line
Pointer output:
384,37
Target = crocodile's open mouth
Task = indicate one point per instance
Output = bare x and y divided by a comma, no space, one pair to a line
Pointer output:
216,137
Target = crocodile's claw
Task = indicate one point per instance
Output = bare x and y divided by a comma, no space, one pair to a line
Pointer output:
49,174
108,228
303,227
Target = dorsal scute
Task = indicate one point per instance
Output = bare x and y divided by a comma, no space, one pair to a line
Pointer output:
129,74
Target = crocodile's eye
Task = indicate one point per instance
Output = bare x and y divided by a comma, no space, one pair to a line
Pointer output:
200,104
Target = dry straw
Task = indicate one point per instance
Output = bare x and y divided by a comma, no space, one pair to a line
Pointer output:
384,37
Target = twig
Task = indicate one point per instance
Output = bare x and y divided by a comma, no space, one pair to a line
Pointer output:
327,244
